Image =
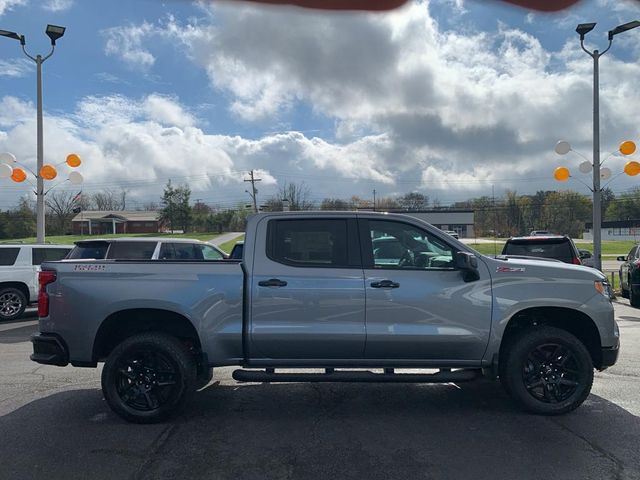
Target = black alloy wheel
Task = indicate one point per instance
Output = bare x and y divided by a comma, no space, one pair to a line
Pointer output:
546,370
551,373
148,377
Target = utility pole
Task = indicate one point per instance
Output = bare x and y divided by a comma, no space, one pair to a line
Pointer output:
254,191
374,199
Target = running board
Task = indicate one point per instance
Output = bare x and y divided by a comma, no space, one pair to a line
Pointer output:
332,375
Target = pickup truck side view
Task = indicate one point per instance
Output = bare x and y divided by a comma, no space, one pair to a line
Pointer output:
356,295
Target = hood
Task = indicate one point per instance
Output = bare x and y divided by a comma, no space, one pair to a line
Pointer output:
542,268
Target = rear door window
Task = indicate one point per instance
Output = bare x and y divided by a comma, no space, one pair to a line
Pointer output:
8,256
132,250
309,243
559,249
41,255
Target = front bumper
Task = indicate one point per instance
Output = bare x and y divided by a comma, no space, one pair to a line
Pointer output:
609,356
49,349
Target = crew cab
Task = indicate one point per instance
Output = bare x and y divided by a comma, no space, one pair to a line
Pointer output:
356,295
19,267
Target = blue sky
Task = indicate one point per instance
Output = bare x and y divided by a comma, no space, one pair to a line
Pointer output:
446,97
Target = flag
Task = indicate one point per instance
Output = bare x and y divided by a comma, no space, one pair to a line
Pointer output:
77,197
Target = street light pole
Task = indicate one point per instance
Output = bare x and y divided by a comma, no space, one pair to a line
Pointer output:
54,32
597,193
40,225
582,30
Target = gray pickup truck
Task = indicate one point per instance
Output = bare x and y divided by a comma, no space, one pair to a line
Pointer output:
353,296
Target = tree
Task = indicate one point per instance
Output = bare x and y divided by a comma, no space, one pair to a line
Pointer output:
20,221
109,200
387,203
334,204
298,195
176,211
413,201
61,205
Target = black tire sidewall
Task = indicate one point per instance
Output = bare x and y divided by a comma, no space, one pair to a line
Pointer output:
517,355
182,361
23,300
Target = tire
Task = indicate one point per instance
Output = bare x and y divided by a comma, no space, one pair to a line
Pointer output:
148,377
547,371
12,303
623,291
634,298
203,379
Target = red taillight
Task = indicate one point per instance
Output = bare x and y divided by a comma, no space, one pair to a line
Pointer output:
576,261
45,277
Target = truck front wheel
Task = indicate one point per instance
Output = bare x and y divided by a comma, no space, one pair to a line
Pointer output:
147,377
547,371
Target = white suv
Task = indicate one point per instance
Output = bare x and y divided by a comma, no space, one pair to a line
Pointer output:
145,248
19,266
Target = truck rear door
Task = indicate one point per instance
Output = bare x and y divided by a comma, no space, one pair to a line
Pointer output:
418,305
307,289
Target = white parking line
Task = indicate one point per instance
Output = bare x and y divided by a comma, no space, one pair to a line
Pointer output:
4,327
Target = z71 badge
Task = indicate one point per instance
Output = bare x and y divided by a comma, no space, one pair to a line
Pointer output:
509,269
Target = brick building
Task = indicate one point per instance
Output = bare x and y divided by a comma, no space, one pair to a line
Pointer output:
107,222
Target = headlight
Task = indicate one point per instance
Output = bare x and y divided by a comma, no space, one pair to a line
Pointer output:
602,286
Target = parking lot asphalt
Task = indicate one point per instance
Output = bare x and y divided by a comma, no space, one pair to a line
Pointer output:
54,424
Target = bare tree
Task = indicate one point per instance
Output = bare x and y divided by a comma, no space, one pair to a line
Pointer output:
61,205
298,195
110,200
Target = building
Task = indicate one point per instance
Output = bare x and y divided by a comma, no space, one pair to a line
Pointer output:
615,230
460,221
107,222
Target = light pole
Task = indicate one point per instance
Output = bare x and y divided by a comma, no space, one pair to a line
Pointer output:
54,32
582,30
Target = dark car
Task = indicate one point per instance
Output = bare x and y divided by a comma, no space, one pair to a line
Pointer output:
630,276
556,247
237,251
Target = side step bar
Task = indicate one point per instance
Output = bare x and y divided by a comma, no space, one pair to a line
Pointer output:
331,375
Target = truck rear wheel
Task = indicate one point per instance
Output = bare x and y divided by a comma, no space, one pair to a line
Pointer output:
147,377
547,371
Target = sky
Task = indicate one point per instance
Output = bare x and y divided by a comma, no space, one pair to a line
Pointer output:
450,98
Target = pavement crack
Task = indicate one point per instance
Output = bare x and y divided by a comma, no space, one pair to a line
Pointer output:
619,464
154,452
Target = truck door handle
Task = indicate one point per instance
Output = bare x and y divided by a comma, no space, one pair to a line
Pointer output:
273,282
385,284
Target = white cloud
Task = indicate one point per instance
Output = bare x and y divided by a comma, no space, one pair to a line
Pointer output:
16,68
6,5
57,5
126,44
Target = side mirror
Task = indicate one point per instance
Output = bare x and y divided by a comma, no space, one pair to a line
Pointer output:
585,254
621,259
467,263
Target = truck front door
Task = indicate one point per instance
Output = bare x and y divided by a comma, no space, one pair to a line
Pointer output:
307,290
418,304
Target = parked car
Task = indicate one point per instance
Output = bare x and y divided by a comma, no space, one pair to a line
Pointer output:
314,291
145,248
630,276
553,247
19,266
453,233
237,251
586,258
540,233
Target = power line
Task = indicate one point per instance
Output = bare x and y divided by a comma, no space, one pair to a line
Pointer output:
254,190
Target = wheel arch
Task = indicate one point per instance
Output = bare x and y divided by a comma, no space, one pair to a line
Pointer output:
573,321
125,323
